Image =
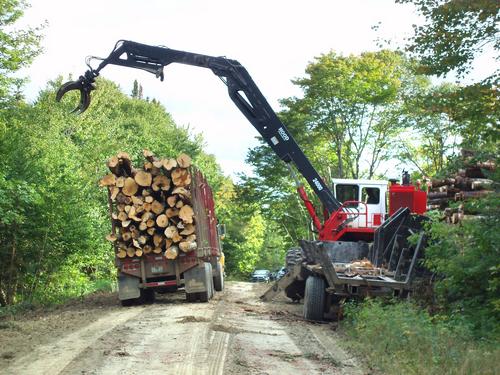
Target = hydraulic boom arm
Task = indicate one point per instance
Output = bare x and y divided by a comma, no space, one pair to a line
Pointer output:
242,90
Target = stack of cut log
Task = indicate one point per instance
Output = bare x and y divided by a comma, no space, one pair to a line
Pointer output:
150,207
467,183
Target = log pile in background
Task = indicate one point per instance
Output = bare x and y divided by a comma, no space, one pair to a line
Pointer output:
470,182
151,209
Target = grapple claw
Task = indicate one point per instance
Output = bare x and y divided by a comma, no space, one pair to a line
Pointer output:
85,84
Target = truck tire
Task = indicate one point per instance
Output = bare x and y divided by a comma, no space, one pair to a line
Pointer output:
127,302
314,299
148,296
219,278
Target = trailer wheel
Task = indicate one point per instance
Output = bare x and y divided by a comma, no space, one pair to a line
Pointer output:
191,297
219,278
314,299
127,302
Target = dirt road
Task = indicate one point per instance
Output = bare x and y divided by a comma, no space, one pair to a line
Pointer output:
235,333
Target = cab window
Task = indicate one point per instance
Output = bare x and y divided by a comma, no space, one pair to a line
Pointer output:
344,192
370,195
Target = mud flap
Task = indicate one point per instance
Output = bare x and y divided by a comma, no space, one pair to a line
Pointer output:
195,279
128,287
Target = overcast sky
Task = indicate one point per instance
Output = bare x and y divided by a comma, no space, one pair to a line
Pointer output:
273,39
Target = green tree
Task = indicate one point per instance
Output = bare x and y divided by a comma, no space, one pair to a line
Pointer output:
454,34
52,233
18,47
347,99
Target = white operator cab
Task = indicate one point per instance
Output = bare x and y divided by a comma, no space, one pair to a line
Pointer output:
371,195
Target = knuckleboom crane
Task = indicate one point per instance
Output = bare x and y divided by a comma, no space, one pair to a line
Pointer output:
246,96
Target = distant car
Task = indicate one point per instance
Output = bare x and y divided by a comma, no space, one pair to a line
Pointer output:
261,276
280,273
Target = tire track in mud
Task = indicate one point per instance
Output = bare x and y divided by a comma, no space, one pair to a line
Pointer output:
53,358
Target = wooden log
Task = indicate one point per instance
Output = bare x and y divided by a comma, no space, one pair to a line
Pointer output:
120,182
184,161
126,236
143,178
158,163
137,201
130,252
122,253
157,207
442,182
113,164
126,223
186,214
157,250
142,239
151,230
149,155
114,191
435,195
172,252
149,199
158,240
187,246
162,182
147,249
143,226
122,216
150,223
162,221
171,231
138,252
472,194
171,200
191,238
111,237
171,212
169,164
177,237
182,192
181,177
179,204
130,187
108,180
125,164
188,229
147,207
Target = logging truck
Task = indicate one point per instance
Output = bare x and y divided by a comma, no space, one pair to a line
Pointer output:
346,230
164,229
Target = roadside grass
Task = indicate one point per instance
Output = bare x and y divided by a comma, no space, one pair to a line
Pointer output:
400,338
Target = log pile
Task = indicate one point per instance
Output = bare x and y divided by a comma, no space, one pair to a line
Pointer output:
150,207
469,182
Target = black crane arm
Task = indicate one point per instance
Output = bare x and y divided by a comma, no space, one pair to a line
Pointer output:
241,88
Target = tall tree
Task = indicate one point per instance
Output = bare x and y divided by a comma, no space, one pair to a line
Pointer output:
454,34
347,99
18,47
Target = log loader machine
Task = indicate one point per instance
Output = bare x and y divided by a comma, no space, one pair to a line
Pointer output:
354,224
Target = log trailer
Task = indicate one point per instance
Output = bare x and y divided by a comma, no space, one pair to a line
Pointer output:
200,272
348,229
